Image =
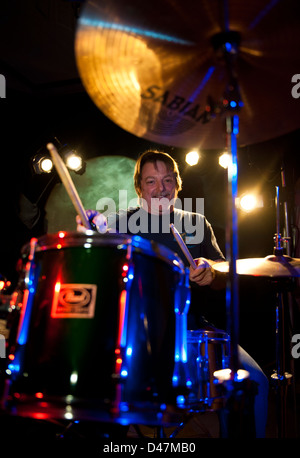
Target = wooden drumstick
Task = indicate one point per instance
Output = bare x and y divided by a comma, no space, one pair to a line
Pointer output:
68,184
183,246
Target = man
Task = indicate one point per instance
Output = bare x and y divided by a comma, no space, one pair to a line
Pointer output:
157,183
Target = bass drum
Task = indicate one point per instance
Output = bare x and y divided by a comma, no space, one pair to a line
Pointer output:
96,333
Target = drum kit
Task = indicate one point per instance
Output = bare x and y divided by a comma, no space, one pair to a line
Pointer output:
100,319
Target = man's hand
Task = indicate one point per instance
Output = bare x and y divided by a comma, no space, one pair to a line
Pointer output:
97,218
204,274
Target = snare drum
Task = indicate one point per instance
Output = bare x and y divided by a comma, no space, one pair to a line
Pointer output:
208,351
97,329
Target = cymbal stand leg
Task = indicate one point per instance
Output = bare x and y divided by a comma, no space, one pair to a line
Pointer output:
160,432
280,378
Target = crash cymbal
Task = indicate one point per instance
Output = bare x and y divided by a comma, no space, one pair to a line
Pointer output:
270,266
159,69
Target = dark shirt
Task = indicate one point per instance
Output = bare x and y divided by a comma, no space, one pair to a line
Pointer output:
195,230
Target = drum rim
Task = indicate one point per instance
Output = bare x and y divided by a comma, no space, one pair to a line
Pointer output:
210,334
69,239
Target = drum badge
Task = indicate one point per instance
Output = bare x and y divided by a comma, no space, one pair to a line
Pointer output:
73,300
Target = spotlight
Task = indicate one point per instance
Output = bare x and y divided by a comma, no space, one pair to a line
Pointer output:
192,157
249,202
74,161
4,283
42,163
224,160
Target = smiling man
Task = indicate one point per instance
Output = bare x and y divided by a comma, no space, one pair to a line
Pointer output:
157,185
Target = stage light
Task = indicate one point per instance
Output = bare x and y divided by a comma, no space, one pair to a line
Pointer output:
42,163
74,162
192,157
249,202
224,160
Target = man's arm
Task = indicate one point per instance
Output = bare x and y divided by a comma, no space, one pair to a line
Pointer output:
206,275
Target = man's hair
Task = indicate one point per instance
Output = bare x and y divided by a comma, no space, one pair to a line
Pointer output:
154,156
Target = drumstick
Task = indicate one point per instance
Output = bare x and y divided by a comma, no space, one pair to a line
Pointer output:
68,184
183,246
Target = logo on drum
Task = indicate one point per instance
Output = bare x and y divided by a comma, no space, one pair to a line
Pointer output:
73,300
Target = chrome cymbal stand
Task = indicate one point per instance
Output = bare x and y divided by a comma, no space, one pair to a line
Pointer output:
237,394
281,379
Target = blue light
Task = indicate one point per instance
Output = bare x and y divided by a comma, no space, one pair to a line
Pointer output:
129,351
123,421
262,13
180,400
14,367
235,124
228,47
175,379
124,407
124,373
130,276
163,407
133,30
234,169
201,86
22,339
189,383
233,104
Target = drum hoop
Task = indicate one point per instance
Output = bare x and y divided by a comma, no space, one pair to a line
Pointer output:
60,240
201,335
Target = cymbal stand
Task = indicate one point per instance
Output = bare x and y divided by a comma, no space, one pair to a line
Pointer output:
226,45
280,378
289,244
236,391
232,296
237,417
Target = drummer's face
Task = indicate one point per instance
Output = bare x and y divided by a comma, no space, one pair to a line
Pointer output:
158,187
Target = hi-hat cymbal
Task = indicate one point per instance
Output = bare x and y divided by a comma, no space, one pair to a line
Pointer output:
159,69
270,266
